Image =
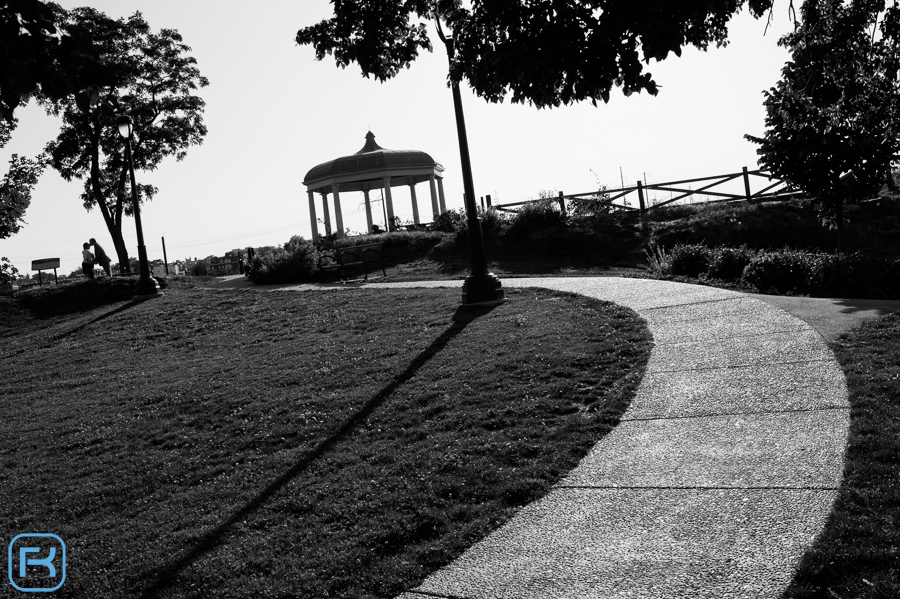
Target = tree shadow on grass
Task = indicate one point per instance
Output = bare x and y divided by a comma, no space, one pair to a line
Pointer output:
166,576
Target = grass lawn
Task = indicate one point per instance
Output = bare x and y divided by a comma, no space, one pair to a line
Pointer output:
858,555
296,444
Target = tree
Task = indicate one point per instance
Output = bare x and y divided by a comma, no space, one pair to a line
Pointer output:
16,185
151,77
832,120
36,56
8,272
548,52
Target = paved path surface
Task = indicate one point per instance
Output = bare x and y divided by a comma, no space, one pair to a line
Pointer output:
721,474
719,477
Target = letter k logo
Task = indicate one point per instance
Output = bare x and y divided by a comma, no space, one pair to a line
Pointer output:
47,561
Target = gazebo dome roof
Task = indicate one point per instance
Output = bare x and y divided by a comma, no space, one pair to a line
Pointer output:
371,162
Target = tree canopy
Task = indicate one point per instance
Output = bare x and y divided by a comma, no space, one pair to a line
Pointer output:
546,52
832,119
16,184
150,76
36,56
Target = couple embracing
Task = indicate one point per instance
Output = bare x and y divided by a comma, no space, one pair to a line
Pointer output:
88,259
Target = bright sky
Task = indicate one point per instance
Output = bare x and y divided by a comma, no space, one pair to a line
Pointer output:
274,112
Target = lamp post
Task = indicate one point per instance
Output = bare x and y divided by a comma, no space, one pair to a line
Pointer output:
146,286
480,287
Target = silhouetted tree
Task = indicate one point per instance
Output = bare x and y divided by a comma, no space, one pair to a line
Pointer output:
39,56
547,53
832,120
151,77
16,184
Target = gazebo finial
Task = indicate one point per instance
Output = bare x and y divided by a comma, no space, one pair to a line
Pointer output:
370,146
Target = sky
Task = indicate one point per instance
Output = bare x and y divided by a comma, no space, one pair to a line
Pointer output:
274,112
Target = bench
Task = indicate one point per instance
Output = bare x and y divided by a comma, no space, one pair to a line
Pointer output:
364,254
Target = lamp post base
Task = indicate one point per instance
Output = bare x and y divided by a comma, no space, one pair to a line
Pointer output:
145,289
486,290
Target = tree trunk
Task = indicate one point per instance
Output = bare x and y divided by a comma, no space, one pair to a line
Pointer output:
114,228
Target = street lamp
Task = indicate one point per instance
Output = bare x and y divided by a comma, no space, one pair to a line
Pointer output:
146,286
480,287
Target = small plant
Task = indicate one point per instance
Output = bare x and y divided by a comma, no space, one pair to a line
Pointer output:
659,261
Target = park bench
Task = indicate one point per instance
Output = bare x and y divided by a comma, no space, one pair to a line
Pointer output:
353,255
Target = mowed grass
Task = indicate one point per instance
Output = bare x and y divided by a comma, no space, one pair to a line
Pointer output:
858,554
297,444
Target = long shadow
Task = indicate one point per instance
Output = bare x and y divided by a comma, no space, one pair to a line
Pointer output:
103,316
883,307
167,575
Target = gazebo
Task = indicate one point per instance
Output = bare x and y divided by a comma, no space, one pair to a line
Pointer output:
373,167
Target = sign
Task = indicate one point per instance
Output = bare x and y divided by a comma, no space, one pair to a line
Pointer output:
45,264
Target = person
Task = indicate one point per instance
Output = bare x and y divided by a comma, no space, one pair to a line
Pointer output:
102,258
87,261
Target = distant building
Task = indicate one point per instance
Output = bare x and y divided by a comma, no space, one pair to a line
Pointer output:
159,270
229,264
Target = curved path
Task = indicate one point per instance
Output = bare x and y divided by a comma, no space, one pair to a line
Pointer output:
720,475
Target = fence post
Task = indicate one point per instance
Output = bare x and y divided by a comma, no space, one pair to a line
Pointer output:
488,198
640,190
747,185
562,202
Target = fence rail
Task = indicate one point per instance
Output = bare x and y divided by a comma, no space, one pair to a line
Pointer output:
775,190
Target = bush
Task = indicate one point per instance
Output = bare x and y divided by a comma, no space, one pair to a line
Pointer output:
728,263
450,221
200,269
689,260
536,217
8,272
783,271
295,262
494,225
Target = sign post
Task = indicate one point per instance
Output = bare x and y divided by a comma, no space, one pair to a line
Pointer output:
45,264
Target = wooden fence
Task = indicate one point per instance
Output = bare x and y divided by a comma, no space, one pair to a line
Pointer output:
711,188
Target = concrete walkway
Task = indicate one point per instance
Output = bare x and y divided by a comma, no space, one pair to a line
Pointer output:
721,474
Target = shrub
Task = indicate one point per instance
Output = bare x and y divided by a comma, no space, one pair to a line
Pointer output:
8,272
535,217
295,262
728,263
450,221
200,269
494,225
689,260
782,271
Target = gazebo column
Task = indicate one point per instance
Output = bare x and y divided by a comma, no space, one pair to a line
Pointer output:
434,202
389,202
326,212
338,217
412,193
312,216
368,210
441,195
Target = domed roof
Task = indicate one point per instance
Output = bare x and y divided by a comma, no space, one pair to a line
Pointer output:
371,162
